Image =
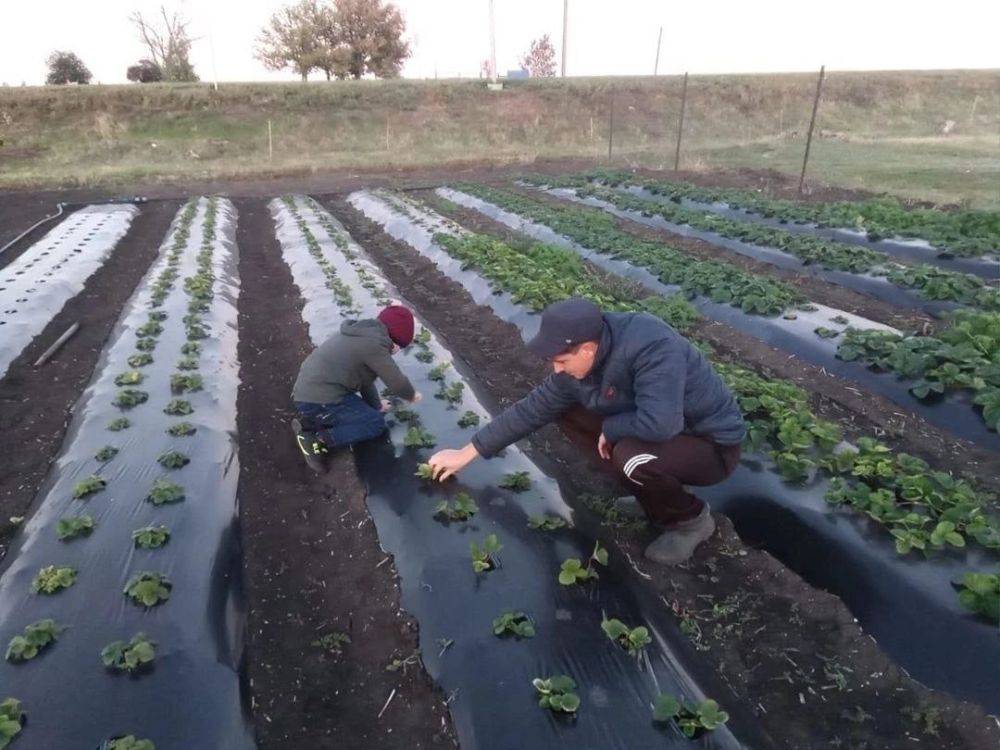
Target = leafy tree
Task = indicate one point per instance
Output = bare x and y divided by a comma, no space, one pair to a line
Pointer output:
169,46
145,71
66,67
368,38
540,61
297,37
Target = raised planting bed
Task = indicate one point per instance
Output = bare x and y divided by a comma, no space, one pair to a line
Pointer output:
35,286
155,584
887,583
475,565
922,287
810,331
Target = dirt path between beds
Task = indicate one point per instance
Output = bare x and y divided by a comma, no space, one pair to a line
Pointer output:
792,651
312,562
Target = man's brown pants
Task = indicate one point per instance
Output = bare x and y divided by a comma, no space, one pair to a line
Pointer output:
657,472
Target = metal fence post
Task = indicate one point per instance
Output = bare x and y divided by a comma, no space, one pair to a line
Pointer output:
812,124
611,124
680,125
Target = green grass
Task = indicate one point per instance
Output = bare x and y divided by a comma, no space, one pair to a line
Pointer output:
881,131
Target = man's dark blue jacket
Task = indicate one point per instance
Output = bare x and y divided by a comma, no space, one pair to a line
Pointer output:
648,382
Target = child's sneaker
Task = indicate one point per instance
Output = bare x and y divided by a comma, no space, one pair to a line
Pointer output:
313,449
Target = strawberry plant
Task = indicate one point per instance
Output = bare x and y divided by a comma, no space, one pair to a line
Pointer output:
516,481
437,374
462,508
130,742
826,333
451,393
140,360
152,328
191,349
418,437
424,355
11,721
182,429
72,527
573,571
633,640
128,398
332,643
148,589
145,345
980,593
151,537
117,425
37,636
691,718
165,491
181,383
424,471
196,332
173,460
51,580
546,523
129,657
90,485
188,363
406,415
106,453
512,623
484,558
423,337
556,693
178,407
469,419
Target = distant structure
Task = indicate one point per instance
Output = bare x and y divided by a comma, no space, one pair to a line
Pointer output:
519,73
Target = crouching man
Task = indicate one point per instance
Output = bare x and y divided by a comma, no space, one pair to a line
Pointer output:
335,392
631,390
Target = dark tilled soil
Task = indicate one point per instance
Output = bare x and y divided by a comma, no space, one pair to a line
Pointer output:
18,211
36,404
312,561
860,412
793,653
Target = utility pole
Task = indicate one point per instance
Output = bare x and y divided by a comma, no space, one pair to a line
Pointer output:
565,34
680,125
493,46
812,124
656,65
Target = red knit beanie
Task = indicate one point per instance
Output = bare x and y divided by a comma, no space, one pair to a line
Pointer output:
399,321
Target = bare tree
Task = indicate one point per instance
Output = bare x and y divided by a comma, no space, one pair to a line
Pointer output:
169,46
540,61
297,37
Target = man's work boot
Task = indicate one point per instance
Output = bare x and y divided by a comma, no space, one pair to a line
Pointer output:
678,542
628,508
313,450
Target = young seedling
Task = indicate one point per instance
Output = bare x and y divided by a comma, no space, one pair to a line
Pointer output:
424,355
152,328
182,429
423,337
517,624
148,589
397,663
51,580
130,742
11,720
165,491
424,471
556,693
633,640
839,320
117,425
469,419
191,348
129,657
406,415
437,374
128,398
462,508
516,481
151,537
546,523
452,393
173,460
691,718
332,643
131,377
145,345
418,437
178,407
826,333
88,486
484,558
37,636
73,527
980,593
140,360
180,383
106,453
188,363
573,571
158,315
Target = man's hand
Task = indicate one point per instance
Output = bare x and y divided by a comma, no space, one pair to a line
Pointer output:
386,406
604,448
417,398
449,462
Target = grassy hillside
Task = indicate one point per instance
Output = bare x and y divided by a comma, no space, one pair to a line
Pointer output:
932,135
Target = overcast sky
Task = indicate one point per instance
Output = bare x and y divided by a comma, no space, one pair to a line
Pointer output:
451,37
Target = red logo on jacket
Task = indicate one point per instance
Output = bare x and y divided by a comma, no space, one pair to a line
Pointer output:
609,393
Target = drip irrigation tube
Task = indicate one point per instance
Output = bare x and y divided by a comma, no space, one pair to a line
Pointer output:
191,695
954,412
908,604
488,678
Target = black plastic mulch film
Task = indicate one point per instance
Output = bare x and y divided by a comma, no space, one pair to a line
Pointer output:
488,679
953,412
907,603
189,697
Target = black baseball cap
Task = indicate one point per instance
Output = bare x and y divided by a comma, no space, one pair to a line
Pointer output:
566,324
